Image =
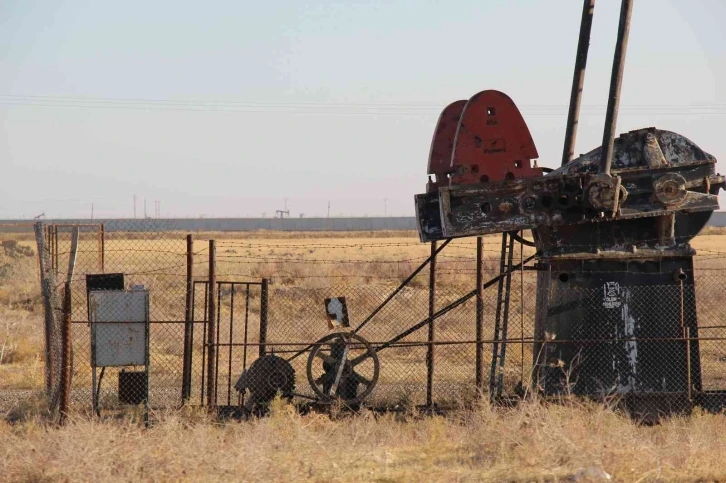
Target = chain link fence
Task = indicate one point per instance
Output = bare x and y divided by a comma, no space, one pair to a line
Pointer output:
330,319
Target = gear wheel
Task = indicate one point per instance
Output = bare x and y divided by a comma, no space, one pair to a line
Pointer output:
267,376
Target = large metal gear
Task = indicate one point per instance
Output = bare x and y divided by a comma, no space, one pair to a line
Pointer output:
265,378
348,370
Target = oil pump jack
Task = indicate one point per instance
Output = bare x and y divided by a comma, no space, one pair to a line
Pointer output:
615,309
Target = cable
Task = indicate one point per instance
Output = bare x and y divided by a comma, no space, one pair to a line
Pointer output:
324,108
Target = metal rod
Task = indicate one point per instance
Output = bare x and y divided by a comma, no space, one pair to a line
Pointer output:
189,325
498,317
521,307
616,82
211,320
231,338
65,386
479,376
102,247
432,334
686,334
527,340
244,348
441,312
202,387
263,317
505,318
216,341
191,338
385,302
401,286
55,249
578,81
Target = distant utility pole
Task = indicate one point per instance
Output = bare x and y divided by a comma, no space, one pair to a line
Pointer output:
92,211
385,207
328,209
134,206
145,209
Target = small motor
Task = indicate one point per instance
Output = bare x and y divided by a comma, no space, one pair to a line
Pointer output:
264,379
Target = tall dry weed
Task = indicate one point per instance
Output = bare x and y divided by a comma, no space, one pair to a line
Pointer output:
534,442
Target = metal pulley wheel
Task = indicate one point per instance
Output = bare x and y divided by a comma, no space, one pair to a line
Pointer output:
601,192
670,189
344,366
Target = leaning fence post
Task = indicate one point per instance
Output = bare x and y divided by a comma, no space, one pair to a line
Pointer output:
431,335
65,386
211,324
188,317
65,382
263,316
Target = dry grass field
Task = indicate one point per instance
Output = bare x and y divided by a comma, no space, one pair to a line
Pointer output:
571,441
568,443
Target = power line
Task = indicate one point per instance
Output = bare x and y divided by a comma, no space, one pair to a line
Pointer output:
326,108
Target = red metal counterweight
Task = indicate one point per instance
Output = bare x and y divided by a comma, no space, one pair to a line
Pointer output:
492,142
443,144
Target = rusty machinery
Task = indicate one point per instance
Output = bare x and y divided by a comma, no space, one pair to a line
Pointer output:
618,217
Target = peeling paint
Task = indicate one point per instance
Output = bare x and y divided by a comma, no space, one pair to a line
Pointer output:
631,346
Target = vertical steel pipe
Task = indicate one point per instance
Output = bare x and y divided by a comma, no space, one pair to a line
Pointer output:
687,339
231,340
217,343
432,333
211,324
578,81
55,249
188,322
479,315
65,385
203,388
102,247
616,82
263,317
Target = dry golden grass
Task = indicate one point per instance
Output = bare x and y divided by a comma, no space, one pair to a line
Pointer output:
531,443
534,442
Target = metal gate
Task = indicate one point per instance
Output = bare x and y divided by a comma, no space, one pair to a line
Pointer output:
224,335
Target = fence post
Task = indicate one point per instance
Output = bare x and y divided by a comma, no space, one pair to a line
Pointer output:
211,324
65,386
432,334
263,316
479,315
188,324
65,356
55,249
102,247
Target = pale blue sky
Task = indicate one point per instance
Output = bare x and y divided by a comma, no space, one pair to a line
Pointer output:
226,108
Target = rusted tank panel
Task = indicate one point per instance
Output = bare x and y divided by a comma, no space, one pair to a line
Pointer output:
618,327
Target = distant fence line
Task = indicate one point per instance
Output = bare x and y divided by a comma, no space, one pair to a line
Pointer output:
252,224
234,224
